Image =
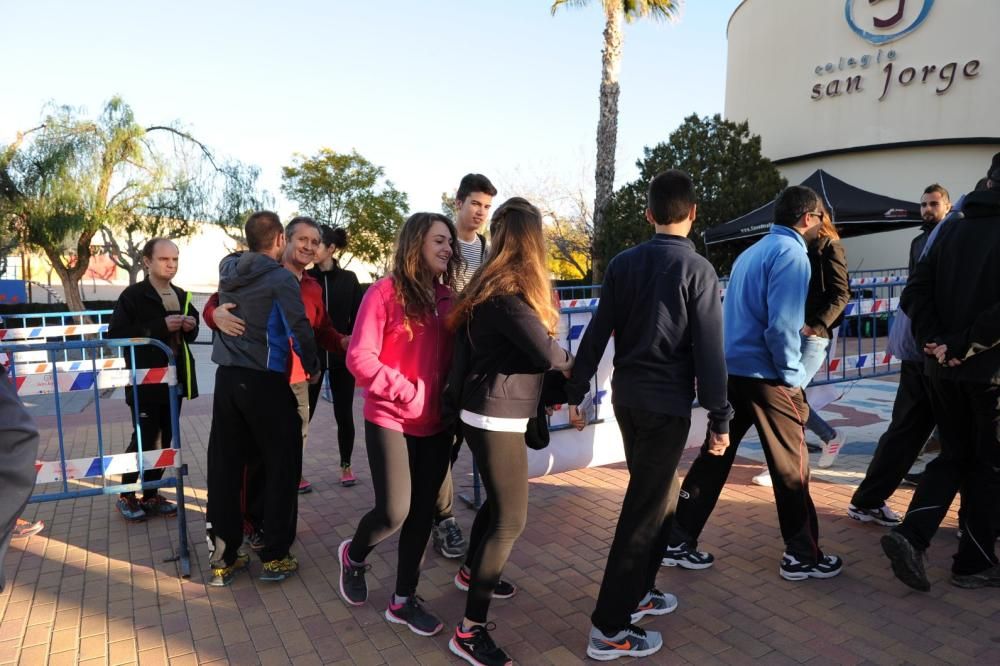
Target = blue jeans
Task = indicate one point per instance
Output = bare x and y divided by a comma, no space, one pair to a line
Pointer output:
813,355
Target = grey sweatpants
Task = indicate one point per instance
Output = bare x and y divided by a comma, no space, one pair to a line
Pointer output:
18,449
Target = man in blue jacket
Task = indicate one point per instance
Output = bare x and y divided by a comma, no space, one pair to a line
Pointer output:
763,311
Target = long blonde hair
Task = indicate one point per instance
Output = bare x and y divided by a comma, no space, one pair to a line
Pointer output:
827,230
516,266
411,276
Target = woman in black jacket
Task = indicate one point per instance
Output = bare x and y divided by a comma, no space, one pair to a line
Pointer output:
508,318
343,298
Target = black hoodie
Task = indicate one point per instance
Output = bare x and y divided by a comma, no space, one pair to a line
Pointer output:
953,294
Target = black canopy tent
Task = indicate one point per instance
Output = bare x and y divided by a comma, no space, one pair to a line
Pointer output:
856,212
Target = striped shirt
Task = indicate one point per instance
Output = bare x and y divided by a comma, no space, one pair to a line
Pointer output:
473,255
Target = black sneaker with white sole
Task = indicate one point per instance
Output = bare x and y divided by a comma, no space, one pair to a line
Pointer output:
686,557
881,516
792,568
353,587
413,614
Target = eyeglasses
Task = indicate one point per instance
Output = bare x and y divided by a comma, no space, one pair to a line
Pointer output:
819,214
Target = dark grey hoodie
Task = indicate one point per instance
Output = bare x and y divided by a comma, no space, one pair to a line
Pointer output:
269,300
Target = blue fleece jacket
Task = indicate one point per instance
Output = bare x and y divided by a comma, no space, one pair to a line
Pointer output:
764,308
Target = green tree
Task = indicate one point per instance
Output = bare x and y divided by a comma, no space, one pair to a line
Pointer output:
615,12
236,193
77,176
730,176
346,190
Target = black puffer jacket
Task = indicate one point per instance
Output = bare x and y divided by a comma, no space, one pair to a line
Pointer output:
508,352
829,287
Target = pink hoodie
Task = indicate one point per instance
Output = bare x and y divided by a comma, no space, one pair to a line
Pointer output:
402,377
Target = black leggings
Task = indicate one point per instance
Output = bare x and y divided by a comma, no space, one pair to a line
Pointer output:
406,474
502,458
342,388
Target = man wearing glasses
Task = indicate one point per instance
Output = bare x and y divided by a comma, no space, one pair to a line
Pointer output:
763,311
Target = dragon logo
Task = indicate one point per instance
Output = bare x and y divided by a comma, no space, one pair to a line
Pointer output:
884,23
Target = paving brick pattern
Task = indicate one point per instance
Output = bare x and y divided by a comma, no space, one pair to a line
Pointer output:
91,589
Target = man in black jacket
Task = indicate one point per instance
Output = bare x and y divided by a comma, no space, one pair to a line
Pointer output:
155,308
912,416
953,299
661,300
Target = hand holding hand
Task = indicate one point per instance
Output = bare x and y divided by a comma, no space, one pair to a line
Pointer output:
188,324
174,322
227,322
577,419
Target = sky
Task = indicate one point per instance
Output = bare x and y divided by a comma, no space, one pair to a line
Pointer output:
427,90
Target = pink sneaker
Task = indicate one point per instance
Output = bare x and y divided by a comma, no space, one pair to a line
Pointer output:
304,487
23,528
347,478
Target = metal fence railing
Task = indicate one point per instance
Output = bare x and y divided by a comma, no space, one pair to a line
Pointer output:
83,469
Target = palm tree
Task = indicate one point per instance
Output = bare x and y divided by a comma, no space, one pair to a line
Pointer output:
611,58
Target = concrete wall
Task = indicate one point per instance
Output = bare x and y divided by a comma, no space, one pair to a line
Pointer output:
779,51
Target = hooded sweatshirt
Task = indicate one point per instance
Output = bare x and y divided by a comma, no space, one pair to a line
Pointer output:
402,370
269,300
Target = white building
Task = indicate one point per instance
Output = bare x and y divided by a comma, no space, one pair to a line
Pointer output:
889,95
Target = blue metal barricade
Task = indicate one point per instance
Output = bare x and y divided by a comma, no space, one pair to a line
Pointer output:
57,377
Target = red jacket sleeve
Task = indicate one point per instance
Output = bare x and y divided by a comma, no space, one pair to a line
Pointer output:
208,313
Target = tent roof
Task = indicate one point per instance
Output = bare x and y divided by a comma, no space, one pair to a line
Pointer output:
856,212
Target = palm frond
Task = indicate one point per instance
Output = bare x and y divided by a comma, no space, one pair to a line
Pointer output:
658,10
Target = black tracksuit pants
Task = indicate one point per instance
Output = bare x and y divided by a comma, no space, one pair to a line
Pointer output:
157,432
968,417
898,447
779,414
653,447
255,417
342,388
406,475
502,458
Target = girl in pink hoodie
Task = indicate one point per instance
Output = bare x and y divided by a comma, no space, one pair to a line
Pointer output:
399,355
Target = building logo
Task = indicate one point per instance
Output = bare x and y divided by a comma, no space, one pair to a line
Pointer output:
890,27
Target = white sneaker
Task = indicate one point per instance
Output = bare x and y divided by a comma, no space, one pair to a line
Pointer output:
763,478
831,450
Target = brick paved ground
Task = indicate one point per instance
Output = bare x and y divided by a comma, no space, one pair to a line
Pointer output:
94,590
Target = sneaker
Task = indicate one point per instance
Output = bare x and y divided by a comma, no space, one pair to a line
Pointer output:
448,539
353,588
686,557
654,603
222,573
763,478
831,450
907,561
256,540
158,505
632,642
503,590
413,614
988,578
24,529
911,479
792,569
477,647
882,515
278,570
304,487
347,478
130,508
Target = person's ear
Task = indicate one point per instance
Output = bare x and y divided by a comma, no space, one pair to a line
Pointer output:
694,212
650,218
